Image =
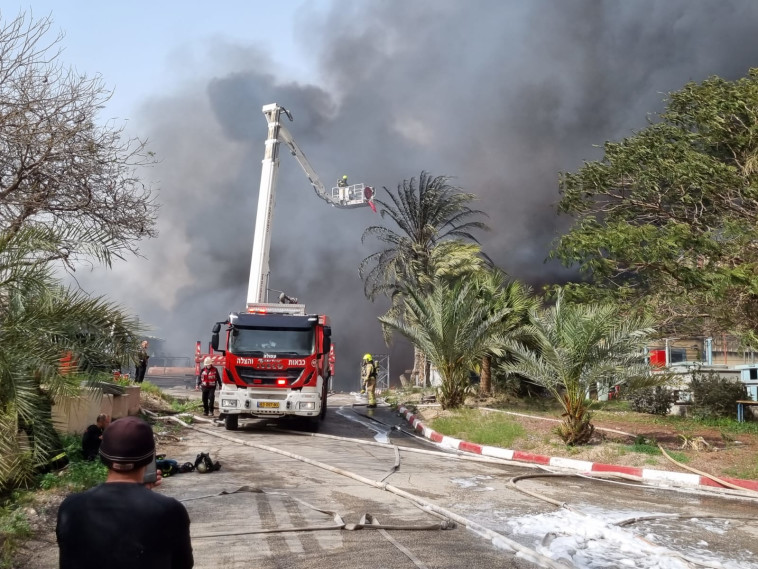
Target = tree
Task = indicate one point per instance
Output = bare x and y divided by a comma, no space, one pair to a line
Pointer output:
40,323
69,192
423,215
578,347
454,328
58,165
448,261
498,293
668,219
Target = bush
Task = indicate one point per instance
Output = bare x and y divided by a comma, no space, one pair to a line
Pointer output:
14,529
653,400
79,475
715,396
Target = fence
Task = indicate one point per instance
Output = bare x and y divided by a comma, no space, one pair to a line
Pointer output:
168,365
382,362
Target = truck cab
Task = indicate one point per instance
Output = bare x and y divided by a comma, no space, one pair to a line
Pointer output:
276,364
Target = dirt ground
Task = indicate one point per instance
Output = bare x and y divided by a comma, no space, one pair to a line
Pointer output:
709,450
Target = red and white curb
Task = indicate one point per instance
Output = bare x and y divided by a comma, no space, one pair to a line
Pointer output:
662,477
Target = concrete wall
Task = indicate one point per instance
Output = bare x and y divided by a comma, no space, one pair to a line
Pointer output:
74,414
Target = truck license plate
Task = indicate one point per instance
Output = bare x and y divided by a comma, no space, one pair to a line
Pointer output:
270,404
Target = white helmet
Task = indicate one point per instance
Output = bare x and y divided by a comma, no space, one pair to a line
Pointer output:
207,361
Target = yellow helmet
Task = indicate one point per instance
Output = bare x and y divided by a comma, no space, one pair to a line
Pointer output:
367,358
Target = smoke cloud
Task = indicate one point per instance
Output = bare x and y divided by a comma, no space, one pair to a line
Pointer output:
500,95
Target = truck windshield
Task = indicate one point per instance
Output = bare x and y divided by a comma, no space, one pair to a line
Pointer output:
279,341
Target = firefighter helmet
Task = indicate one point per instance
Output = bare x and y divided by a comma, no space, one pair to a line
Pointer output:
367,358
207,361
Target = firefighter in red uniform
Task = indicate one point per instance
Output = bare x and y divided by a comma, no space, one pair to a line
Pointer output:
208,380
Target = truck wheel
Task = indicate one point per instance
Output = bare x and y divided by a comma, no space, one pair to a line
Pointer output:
232,422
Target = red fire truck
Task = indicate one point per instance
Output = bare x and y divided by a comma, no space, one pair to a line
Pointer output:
277,359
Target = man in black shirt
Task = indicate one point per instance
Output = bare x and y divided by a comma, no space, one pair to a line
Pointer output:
123,523
93,435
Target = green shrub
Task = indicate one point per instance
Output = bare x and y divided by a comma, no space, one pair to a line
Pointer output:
715,396
652,400
79,475
644,445
14,528
153,389
185,406
76,477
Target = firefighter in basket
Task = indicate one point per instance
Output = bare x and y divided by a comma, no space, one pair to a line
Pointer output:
344,191
208,379
368,377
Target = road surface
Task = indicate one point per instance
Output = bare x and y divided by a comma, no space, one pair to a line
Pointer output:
275,478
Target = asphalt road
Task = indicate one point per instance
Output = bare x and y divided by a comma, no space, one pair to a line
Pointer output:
266,508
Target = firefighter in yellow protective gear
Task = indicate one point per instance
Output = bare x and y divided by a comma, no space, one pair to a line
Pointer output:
368,377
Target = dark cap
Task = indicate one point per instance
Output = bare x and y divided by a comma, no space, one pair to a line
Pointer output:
127,444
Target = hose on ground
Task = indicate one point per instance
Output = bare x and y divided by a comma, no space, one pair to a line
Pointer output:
630,521
709,476
481,459
609,477
400,547
394,468
367,521
664,551
454,454
496,539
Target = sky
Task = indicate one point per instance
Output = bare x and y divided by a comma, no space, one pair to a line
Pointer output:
501,96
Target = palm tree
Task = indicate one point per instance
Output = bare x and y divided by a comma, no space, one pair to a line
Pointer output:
448,261
423,215
40,322
580,346
452,326
497,292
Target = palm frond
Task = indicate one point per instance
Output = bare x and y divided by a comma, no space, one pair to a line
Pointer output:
40,323
575,348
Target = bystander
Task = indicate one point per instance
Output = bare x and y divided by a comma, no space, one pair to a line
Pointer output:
122,523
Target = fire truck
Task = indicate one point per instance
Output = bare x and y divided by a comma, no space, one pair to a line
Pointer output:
277,358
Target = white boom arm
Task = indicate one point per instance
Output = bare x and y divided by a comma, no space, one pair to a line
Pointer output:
353,196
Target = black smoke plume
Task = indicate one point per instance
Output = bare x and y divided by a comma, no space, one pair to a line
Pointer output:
500,95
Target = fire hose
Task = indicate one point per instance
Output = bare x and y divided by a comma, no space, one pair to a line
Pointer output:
495,538
622,523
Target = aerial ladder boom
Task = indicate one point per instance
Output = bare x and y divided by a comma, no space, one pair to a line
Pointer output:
357,195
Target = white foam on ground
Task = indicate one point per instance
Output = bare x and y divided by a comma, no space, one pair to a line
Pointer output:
473,482
593,542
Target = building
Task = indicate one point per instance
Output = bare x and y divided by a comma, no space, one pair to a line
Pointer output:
722,349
